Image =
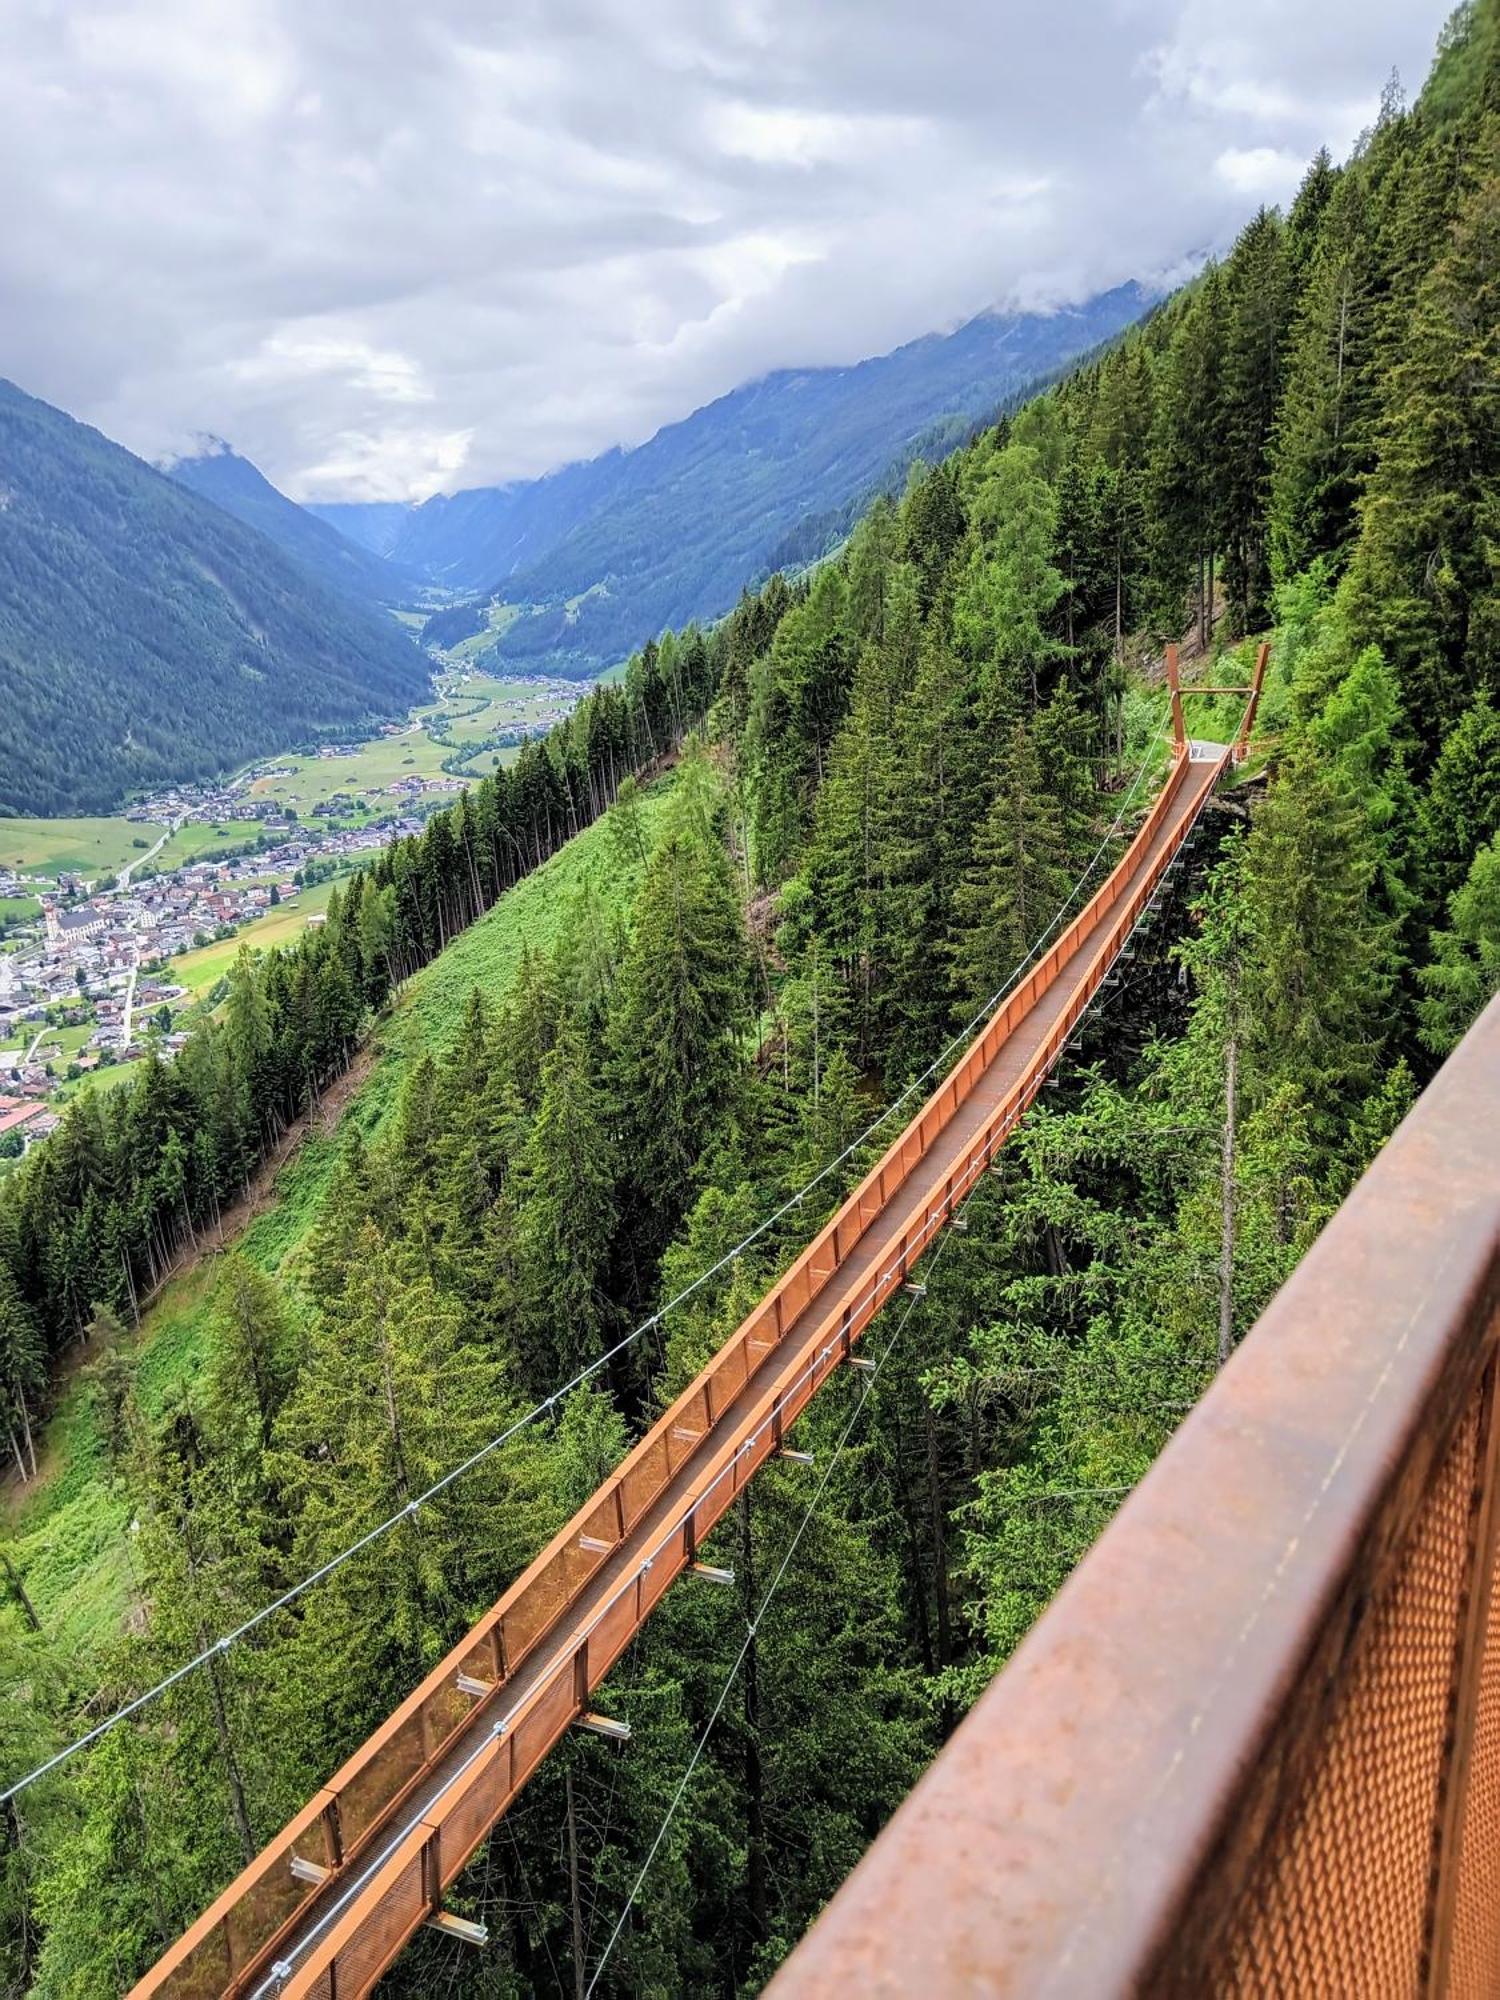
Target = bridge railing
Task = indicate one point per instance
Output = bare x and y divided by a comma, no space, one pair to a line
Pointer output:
1253,1746
230,1944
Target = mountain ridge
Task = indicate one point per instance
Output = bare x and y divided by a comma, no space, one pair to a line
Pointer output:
147,636
673,528
217,473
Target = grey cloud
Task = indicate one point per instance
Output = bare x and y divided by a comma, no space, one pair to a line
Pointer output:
386,250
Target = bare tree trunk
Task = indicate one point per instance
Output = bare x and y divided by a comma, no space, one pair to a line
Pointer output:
231,1767
755,1810
939,1542
19,1591
914,1546
574,1899
30,1442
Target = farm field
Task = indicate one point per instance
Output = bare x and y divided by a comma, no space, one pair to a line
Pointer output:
92,847
483,704
202,840
373,768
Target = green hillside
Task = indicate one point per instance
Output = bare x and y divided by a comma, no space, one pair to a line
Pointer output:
218,474
68,1532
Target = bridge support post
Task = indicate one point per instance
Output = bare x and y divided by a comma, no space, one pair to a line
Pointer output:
1242,742
1179,731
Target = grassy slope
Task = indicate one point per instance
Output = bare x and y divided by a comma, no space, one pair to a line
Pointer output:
92,846
70,1534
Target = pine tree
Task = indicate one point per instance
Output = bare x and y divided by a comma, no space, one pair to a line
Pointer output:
1005,597
1257,296
674,1029
566,1219
1322,444
1422,583
253,1356
1183,471
23,1371
1317,975
1460,809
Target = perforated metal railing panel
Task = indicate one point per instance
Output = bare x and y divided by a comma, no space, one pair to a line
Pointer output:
1342,1901
1475,1969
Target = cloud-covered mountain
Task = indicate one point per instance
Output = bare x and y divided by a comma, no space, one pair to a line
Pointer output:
146,634
766,475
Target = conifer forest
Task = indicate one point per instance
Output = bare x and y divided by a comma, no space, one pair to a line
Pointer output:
816,840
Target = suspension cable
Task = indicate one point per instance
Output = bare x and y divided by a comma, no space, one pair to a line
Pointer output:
219,1647
754,1624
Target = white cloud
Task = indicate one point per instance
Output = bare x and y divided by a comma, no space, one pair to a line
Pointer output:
343,359
783,135
1264,172
385,249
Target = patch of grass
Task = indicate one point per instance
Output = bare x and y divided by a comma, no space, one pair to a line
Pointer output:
500,618
201,970
109,1077
368,774
204,840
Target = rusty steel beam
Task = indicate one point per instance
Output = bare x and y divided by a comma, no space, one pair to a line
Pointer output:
1174,684
1242,741
1252,1746
332,1900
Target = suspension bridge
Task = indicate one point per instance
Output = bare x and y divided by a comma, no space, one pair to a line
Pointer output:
331,1901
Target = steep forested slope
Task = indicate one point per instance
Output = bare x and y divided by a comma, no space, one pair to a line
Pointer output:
909,766
671,530
145,635
219,474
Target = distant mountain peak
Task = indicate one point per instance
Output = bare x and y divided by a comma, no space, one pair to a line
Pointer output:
201,445
217,472
158,638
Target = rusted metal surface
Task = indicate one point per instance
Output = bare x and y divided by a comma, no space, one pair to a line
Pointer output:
1254,1744
1242,741
436,1776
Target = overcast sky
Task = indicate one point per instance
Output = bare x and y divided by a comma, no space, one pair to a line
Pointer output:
387,249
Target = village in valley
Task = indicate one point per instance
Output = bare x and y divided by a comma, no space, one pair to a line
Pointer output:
100,965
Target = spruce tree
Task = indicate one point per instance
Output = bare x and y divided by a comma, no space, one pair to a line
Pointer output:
1464,970
1016,880
1422,582
674,1028
567,1215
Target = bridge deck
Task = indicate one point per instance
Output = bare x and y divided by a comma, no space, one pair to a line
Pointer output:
399,1822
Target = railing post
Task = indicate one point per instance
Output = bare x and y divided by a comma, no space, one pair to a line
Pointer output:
1179,733
1247,722
1453,1791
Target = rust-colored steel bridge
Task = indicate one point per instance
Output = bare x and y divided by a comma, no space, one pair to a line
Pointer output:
328,1905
